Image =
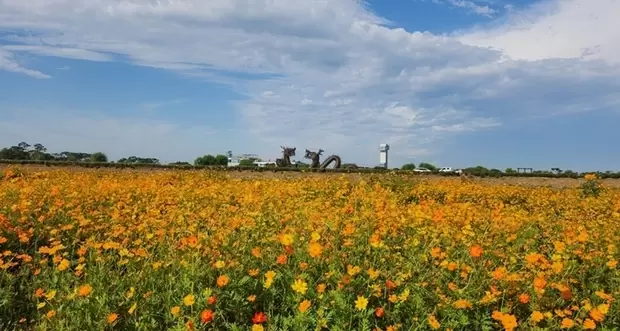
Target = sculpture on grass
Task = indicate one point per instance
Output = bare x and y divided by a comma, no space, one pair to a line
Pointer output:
315,157
285,161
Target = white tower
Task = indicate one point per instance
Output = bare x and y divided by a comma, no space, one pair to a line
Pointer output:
383,155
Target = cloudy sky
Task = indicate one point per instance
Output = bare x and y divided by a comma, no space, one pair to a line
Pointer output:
500,83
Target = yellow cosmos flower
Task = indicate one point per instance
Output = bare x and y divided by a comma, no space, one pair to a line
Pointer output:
361,303
189,300
300,286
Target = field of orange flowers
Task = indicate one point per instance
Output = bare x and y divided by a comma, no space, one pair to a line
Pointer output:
179,250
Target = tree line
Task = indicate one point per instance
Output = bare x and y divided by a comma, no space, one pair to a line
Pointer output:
483,171
38,152
412,166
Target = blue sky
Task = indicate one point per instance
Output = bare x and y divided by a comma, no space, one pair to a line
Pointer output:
459,83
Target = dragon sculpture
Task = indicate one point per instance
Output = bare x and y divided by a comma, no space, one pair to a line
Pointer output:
315,157
287,152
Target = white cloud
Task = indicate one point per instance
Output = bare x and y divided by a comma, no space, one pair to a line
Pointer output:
583,29
479,7
483,10
330,74
69,53
9,63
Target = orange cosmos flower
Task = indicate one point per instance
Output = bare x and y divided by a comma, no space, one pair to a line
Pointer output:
475,251
222,280
63,265
282,259
524,298
315,249
192,241
259,318
596,314
536,317
433,323
589,324
304,306
539,283
567,323
379,312
253,272
112,317
462,304
84,290
509,322
207,316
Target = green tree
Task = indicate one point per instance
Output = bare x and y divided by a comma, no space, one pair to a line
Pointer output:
408,166
427,166
38,152
510,171
98,157
478,171
205,160
13,153
139,160
23,146
75,156
19,152
221,160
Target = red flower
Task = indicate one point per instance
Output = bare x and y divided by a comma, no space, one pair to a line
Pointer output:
259,318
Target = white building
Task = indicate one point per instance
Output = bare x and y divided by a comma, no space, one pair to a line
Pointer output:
262,164
235,161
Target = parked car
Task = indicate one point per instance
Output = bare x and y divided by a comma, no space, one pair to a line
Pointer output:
421,170
445,169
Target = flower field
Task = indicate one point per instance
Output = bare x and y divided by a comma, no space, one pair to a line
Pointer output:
176,250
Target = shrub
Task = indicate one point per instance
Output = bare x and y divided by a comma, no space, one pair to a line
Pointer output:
591,187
